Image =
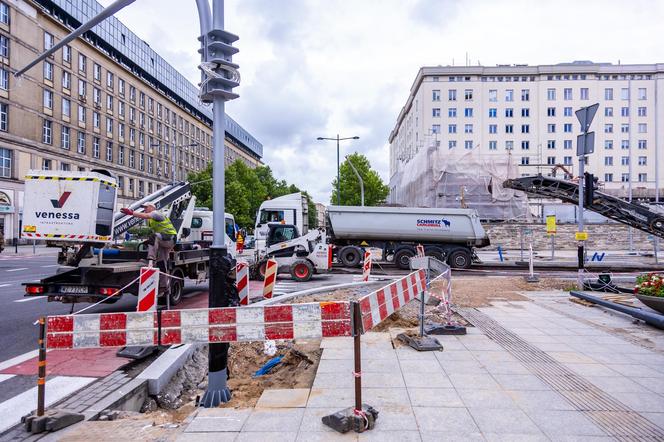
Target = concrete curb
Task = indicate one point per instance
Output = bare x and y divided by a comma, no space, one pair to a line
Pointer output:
159,373
130,396
313,291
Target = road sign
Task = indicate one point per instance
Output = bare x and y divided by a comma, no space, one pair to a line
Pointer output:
551,224
581,236
585,144
585,116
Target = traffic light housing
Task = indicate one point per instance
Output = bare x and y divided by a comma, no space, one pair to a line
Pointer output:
589,186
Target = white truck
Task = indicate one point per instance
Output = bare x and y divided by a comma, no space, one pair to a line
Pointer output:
450,235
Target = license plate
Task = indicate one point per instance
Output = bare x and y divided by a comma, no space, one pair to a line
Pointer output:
76,289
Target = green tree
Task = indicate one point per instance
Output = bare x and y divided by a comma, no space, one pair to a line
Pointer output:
375,191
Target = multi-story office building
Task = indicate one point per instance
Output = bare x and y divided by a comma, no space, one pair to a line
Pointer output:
528,112
107,101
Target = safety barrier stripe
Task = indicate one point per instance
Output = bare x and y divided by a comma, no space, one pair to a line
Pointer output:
232,324
242,282
377,306
59,236
60,178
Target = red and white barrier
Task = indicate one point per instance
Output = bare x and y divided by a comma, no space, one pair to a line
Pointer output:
420,250
377,306
242,282
270,278
366,267
148,286
232,324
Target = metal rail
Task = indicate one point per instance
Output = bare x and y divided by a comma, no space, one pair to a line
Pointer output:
631,214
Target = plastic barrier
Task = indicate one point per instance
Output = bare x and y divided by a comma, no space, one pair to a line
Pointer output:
366,267
270,278
242,282
148,286
420,250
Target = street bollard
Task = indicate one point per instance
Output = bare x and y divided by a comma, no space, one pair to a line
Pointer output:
41,375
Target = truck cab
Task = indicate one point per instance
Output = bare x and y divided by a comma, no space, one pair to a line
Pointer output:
201,228
288,209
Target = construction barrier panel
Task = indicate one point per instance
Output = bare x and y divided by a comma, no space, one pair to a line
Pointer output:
420,250
270,278
148,285
242,282
366,267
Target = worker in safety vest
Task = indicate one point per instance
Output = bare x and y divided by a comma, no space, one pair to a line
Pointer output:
239,241
163,237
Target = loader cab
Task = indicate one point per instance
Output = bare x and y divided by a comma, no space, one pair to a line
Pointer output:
281,233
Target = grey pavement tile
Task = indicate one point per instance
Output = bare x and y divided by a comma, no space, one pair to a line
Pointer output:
337,342
418,366
591,370
390,436
511,437
405,353
284,398
568,423
319,436
275,419
450,342
462,367
430,380
207,437
584,438
474,381
494,356
553,346
618,384
651,359
506,368
481,345
655,385
649,402
446,436
346,380
511,421
493,399
330,397
450,420
336,365
571,357
262,436
395,418
367,354
614,358
454,355
218,419
528,332
637,370
629,349
542,339
434,397
381,397
655,418
520,382
312,420
540,400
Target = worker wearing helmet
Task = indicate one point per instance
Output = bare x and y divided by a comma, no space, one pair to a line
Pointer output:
164,235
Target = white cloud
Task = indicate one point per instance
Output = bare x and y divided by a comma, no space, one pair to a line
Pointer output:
317,68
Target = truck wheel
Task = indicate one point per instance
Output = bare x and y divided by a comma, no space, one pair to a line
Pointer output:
657,224
402,258
459,259
350,256
260,270
301,271
435,252
177,286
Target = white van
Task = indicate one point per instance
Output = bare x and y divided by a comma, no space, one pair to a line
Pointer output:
201,228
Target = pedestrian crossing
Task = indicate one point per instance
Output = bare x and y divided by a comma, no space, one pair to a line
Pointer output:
284,287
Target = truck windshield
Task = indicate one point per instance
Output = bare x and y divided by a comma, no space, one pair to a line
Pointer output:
230,228
271,216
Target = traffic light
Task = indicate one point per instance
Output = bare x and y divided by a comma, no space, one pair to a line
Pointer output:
589,186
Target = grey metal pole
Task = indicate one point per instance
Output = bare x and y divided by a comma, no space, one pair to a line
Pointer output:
656,170
359,178
338,176
580,252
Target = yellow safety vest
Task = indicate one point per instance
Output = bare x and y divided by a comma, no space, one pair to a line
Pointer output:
164,227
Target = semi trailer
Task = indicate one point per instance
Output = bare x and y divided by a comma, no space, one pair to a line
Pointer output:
450,235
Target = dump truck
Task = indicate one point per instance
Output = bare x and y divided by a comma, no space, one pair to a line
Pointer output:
450,235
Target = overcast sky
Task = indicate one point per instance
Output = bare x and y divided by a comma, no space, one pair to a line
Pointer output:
322,67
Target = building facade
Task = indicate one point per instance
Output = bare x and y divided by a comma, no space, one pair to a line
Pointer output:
528,112
106,101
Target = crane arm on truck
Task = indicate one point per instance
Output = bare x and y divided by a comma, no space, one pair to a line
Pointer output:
634,215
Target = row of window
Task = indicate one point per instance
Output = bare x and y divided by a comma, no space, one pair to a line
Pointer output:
551,93
624,161
525,128
642,111
550,145
574,77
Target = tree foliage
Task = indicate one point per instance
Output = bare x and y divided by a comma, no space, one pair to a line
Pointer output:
246,189
375,191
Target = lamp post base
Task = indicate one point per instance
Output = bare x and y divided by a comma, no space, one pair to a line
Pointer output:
217,391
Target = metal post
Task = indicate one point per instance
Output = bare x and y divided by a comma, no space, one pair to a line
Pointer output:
357,352
338,176
580,252
553,246
41,365
521,240
423,299
34,246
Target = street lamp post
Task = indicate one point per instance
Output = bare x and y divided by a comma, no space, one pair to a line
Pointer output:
350,163
337,139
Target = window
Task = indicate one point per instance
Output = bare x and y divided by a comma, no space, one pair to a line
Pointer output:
643,177
608,177
584,93
4,79
95,147
551,161
451,112
641,112
567,127
624,128
551,112
643,128
121,130
81,114
624,178
109,103
109,151
451,144
624,144
96,120
643,144
435,112
109,79
468,144
624,93
151,109
642,93
551,128
608,111
509,95
525,112
132,158
435,129
493,95
608,128
141,99
525,161
493,128
48,99
66,54
451,129
624,111
48,71
132,114
121,87
468,112
132,94
121,108
567,144
509,145
608,161
551,94
47,132
82,63
82,88
493,145
525,145
109,125
48,41
567,112
96,72
608,94
96,95
468,94
66,108
5,154
468,128
525,94
643,161
509,112
4,13
46,164
66,80
551,144
121,150
567,93
567,161
150,166
509,128
4,117
4,46
80,143
624,161
65,137
608,144
493,112
141,161
525,128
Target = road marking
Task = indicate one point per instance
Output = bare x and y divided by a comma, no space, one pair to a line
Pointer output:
58,388
4,377
18,359
4,285
30,299
17,270
52,265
